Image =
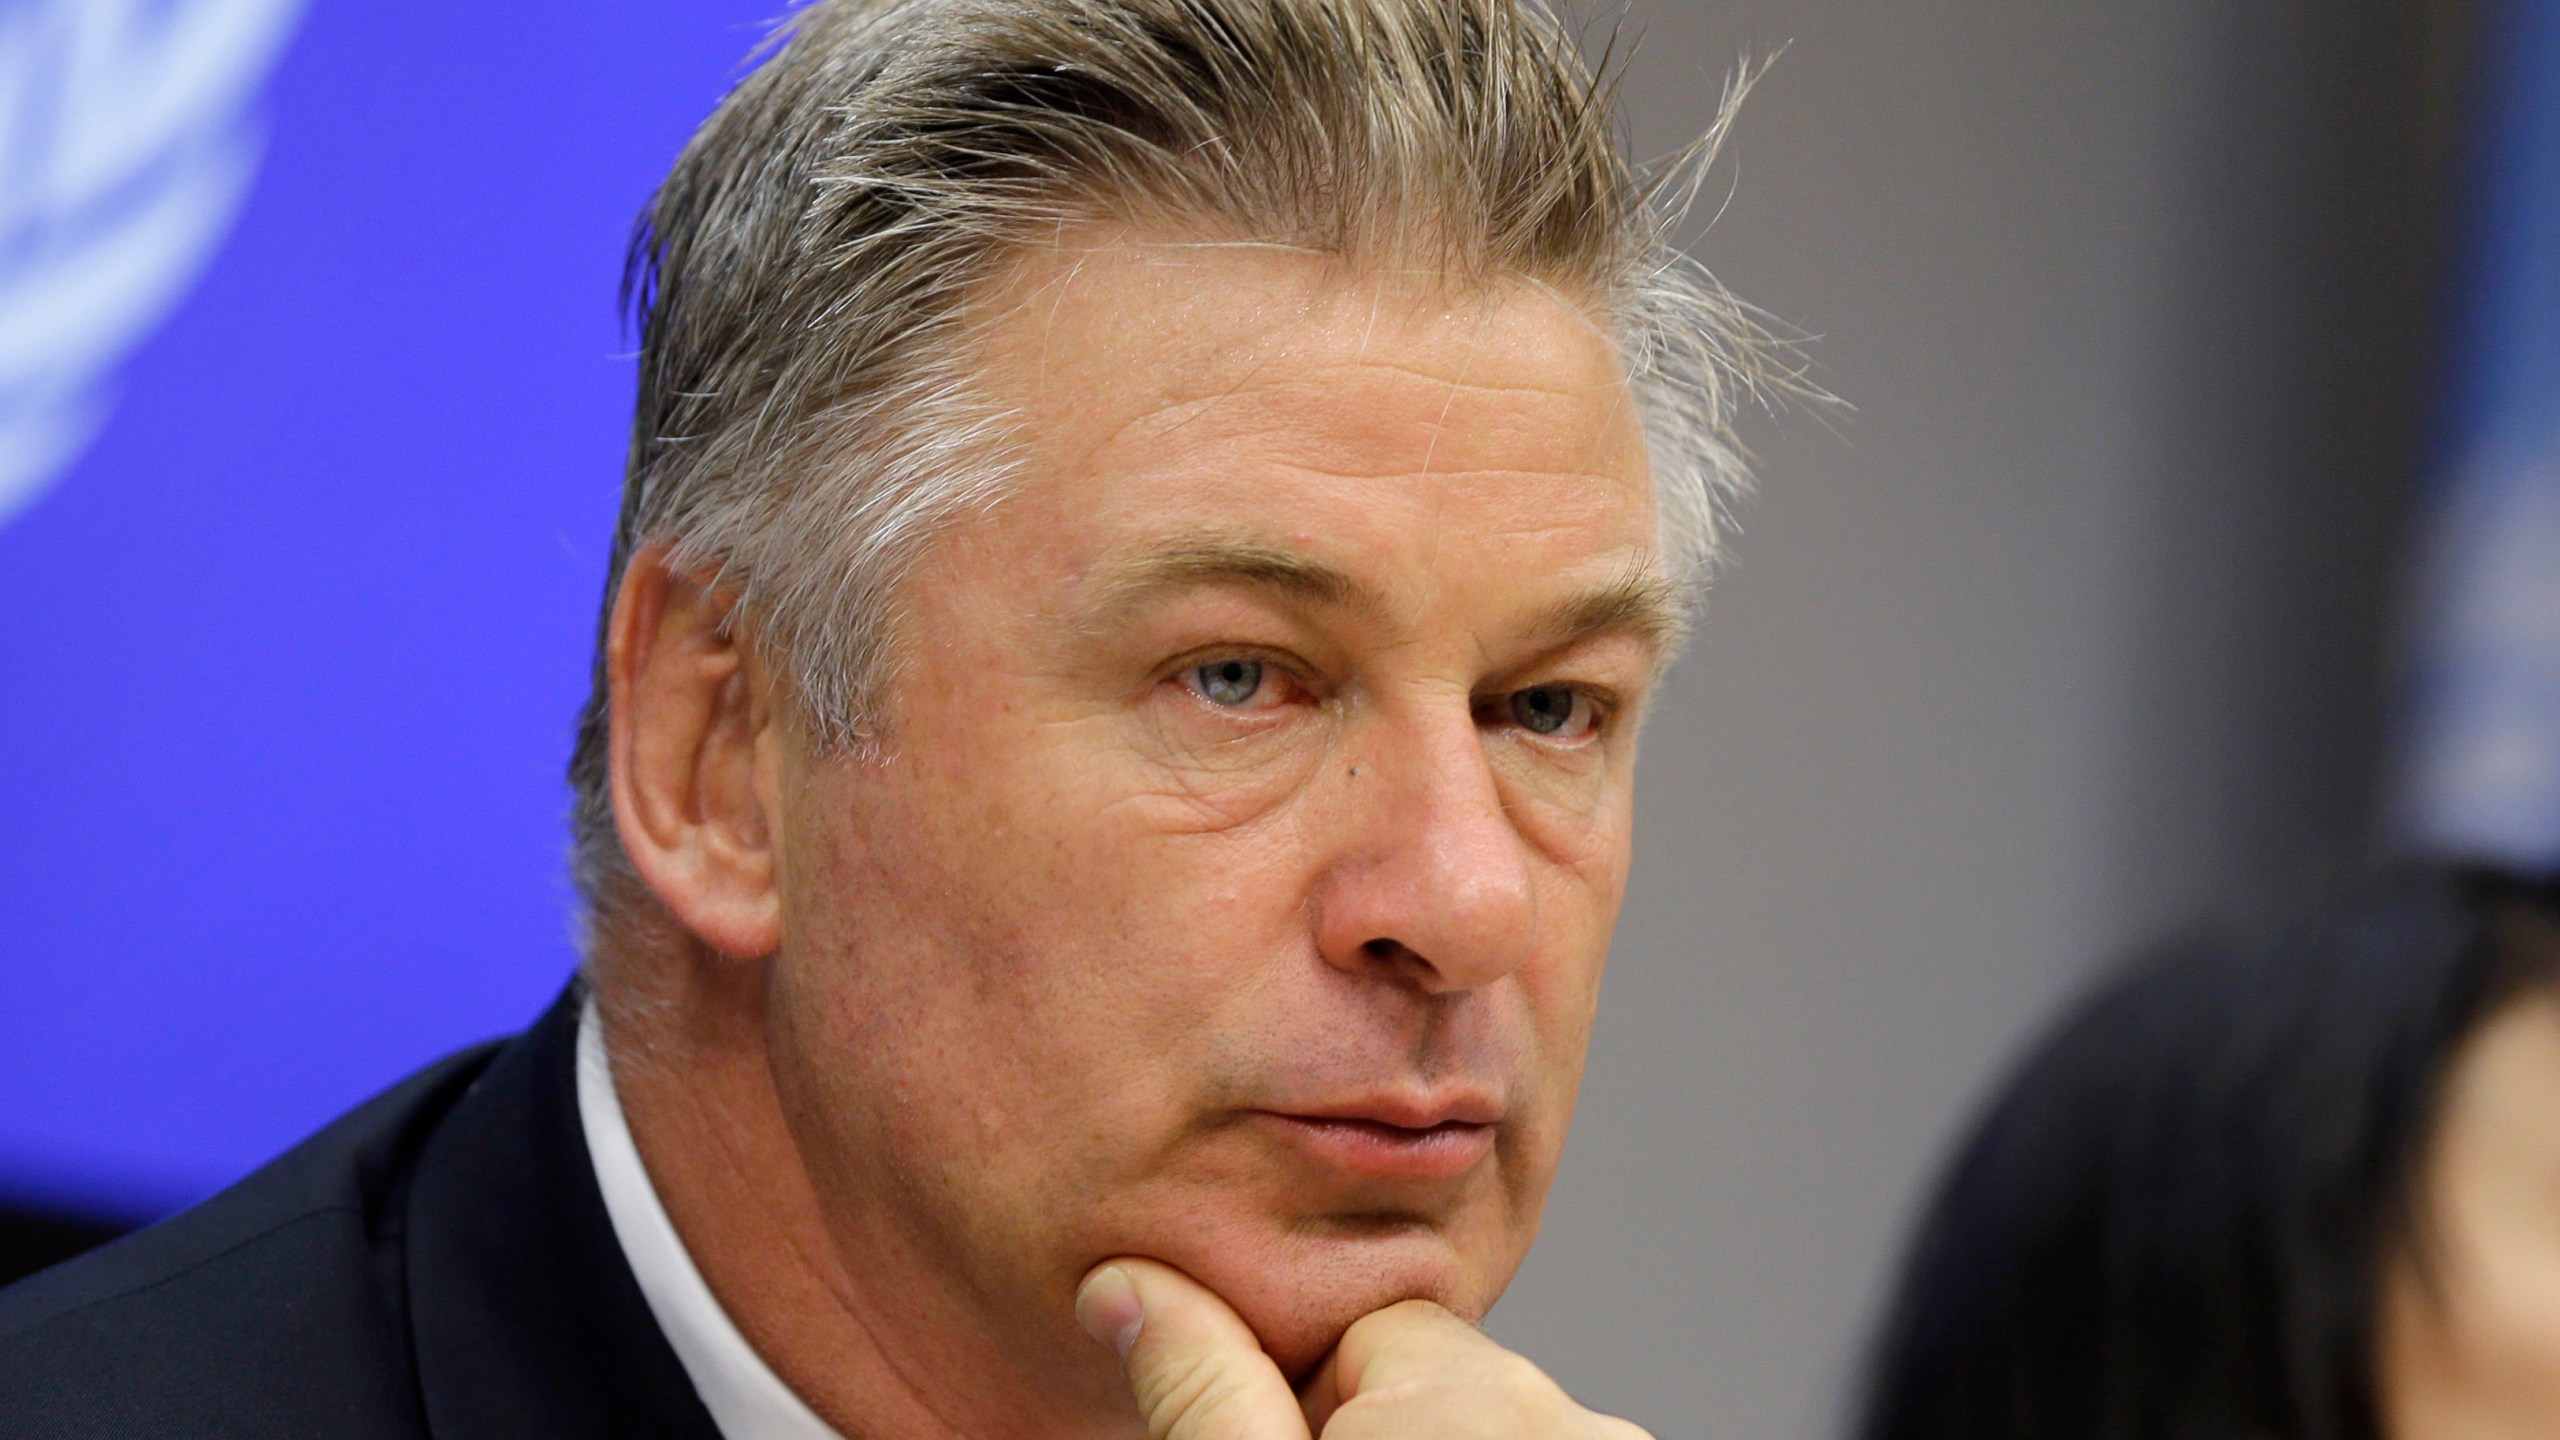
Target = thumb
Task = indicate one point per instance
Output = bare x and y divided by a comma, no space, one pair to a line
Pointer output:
1196,1369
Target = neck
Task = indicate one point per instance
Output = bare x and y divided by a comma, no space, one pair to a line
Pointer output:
878,1341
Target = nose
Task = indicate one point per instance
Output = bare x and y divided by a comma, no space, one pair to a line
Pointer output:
1432,884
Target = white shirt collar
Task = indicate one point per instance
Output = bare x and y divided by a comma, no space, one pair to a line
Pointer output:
746,1399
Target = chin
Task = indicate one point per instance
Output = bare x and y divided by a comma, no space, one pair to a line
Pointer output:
1301,1289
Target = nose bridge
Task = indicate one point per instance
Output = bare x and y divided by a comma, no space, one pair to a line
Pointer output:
1436,879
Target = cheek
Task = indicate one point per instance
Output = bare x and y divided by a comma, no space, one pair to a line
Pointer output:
2475,1354
2510,1327
1560,993
1581,890
1562,998
1003,908
2472,1346
1584,881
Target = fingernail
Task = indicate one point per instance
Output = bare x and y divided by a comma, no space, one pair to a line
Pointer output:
1109,1309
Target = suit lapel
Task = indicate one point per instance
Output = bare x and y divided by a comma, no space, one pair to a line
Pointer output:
525,1316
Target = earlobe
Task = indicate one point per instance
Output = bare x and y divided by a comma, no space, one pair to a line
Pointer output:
691,716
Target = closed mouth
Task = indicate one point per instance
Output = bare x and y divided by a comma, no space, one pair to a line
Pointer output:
1368,1147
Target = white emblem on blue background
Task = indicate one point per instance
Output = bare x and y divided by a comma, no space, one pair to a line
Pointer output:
127,143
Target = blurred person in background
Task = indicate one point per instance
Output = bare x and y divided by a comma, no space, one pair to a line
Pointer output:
2305,1188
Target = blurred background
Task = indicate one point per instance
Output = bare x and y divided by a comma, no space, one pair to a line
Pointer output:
2194,537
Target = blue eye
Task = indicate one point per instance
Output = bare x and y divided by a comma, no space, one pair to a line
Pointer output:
1228,682
1550,710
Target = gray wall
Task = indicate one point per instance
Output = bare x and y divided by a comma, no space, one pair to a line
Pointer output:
2074,629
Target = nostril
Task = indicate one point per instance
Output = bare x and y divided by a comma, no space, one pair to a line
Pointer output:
1395,958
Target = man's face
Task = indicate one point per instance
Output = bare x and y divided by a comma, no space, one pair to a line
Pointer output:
1234,885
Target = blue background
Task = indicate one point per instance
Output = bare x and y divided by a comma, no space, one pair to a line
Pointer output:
2484,768
288,660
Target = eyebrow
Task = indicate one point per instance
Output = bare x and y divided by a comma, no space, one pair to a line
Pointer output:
1640,601
1244,563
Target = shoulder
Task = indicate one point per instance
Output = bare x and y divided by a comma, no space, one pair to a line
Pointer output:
273,1308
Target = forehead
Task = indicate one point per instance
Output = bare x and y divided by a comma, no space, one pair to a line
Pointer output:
1231,378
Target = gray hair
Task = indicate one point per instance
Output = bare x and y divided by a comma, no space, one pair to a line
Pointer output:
804,424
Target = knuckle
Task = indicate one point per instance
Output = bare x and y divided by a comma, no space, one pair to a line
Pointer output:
1402,1316
1420,1309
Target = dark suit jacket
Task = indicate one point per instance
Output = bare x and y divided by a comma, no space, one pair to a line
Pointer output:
436,1263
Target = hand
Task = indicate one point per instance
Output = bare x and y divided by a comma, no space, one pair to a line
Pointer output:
1412,1371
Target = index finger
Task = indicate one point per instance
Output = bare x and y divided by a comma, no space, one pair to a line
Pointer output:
1404,1338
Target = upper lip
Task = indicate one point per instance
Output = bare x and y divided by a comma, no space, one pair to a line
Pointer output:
1407,1111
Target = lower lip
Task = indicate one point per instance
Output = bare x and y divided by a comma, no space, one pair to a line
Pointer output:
1371,1150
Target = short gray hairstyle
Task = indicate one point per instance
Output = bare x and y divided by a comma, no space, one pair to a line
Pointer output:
804,424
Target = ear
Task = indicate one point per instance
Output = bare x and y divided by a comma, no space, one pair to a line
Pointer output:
696,755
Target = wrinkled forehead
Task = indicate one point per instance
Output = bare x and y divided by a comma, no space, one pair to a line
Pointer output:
1109,340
